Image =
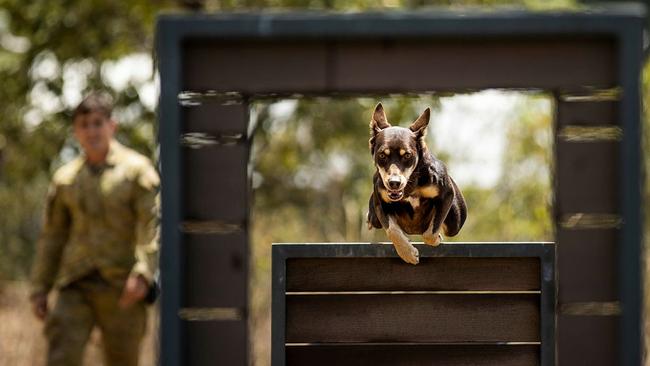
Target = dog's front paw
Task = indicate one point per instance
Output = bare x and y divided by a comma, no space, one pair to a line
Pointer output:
404,248
432,239
408,253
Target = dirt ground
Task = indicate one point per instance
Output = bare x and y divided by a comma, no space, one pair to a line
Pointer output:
21,334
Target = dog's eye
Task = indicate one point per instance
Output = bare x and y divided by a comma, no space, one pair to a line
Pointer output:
382,156
407,156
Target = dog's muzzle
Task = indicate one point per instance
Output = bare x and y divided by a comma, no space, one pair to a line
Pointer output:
395,189
394,183
395,195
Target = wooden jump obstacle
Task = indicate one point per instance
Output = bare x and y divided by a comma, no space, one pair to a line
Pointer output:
213,66
464,304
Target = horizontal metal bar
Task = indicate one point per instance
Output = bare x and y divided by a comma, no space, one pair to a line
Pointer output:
451,243
399,344
591,221
590,133
211,314
210,227
593,95
387,250
198,140
325,293
599,20
611,308
194,98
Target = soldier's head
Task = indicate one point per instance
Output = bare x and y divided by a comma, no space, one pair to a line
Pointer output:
93,125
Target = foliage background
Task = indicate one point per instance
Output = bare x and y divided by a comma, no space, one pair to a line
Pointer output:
52,52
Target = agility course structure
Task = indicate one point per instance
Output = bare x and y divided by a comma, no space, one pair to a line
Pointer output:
212,67
464,304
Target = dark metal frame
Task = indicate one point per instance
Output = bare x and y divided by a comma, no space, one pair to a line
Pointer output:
622,23
544,251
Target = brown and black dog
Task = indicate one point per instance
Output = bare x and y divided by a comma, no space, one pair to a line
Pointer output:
413,194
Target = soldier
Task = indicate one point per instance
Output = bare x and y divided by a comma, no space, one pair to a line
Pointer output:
99,245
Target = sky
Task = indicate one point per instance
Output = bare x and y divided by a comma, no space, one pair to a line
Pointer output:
471,129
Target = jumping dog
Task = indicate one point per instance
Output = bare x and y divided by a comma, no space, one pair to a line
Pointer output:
413,194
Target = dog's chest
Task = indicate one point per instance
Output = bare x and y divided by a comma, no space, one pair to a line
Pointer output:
414,201
426,192
417,219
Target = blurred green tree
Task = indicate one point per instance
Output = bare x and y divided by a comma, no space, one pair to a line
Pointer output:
51,53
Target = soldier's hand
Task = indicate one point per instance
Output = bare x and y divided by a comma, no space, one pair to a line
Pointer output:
135,290
39,305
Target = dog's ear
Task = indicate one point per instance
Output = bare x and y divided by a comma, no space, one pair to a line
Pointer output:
419,127
379,120
420,124
377,123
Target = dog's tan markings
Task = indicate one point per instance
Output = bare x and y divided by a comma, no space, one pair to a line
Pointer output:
402,152
431,238
430,191
404,248
414,201
384,195
387,152
383,174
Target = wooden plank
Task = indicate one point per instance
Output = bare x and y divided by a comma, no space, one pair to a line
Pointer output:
217,343
587,113
427,65
254,67
587,177
412,318
587,340
214,118
587,265
414,355
216,183
216,270
396,65
432,274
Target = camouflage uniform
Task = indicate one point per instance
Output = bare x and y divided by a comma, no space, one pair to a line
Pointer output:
100,227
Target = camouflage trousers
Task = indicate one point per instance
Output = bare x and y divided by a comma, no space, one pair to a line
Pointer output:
84,304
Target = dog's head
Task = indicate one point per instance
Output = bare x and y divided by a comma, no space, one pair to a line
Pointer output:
396,150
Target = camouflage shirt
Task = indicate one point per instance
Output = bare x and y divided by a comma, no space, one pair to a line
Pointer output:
101,218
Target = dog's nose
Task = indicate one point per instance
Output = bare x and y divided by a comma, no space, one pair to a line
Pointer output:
393,182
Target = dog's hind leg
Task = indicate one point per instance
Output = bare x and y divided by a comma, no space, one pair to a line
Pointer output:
432,235
431,238
403,246
457,213
373,220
